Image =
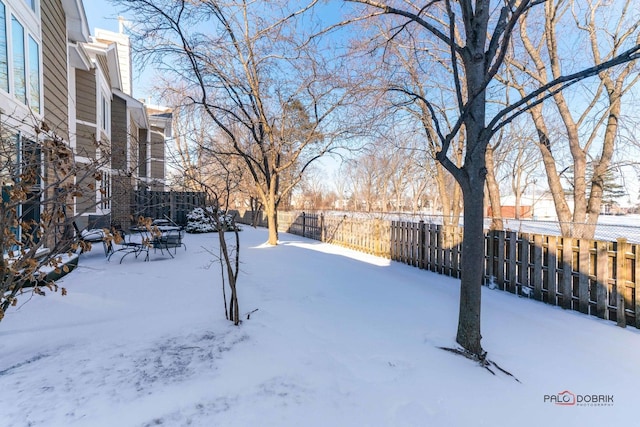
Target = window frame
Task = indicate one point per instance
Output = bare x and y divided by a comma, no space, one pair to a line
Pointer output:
4,85
22,14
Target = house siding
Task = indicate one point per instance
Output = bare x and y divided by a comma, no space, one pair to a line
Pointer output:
54,63
142,153
86,141
102,60
157,154
86,95
88,201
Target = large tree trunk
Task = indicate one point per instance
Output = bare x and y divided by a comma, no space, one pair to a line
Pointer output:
468,335
450,200
272,221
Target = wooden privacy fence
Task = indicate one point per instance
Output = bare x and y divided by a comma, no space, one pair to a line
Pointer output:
166,204
598,278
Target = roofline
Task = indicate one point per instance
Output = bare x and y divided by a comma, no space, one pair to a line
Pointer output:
77,24
138,108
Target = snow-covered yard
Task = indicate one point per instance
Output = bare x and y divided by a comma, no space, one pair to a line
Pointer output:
339,339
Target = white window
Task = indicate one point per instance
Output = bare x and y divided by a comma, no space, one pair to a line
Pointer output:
19,61
31,4
20,69
4,51
105,108
34,75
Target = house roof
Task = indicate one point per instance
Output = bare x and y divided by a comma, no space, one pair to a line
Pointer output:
97,48
161,117
137,109
77,25
114,66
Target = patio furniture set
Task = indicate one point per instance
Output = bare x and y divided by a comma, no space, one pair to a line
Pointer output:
161,235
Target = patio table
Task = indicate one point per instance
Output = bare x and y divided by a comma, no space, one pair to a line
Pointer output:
140,240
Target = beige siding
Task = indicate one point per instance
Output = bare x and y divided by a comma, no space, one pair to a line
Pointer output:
157,144
157,170
86,95
118,133
102,60
87,202
86,141
54,63
157,154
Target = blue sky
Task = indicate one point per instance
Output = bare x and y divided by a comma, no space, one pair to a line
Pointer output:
103,14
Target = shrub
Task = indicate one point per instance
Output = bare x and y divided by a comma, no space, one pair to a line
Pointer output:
209,220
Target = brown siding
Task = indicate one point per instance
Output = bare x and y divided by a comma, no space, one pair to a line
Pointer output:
87,202
86,95
118,133
142,153
54,63
86,141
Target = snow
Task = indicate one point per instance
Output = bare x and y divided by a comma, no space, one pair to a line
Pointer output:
340,338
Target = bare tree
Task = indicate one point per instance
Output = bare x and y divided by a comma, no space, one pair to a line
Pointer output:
40,179
419,64
520,165
590,118
475,55
278,95
218,179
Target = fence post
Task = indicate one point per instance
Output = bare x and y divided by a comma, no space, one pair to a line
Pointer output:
602,280
172,206
421,245
490,251
322,230
512,268
583,280
304,223
537,267
500,255
524,261
621,279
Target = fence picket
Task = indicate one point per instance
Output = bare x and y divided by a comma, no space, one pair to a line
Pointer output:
584,273
552,265
500,259
512,239
602,280
523,273
621,254
538,278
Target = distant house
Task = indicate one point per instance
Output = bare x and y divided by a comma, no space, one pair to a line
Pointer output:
539,206
135,136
